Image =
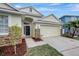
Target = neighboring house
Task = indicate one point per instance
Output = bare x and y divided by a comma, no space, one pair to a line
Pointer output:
67,18
28,19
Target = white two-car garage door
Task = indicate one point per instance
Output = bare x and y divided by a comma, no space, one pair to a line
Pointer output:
47,31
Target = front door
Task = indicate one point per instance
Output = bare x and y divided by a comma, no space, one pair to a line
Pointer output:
27,30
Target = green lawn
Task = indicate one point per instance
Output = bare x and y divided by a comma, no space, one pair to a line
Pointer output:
77,38
44,50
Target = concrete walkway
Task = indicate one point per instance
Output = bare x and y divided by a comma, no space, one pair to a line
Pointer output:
66,46
31,43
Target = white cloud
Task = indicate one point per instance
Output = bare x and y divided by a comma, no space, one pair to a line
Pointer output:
55,4
18,6
76,7
73,7
46,9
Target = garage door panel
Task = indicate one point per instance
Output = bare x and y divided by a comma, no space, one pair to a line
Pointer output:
47,31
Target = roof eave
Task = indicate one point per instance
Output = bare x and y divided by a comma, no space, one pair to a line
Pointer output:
11,12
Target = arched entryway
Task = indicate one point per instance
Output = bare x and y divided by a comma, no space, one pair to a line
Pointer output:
27,26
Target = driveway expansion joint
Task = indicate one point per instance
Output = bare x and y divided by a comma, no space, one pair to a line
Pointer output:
70,49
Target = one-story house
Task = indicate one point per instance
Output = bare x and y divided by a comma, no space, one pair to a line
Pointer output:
28,19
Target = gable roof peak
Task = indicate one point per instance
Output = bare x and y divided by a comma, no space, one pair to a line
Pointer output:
52,16
69,16
25,7
31,8
10,6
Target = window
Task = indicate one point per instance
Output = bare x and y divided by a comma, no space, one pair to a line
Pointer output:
4,25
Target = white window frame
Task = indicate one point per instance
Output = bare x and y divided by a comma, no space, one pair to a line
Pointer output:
6,33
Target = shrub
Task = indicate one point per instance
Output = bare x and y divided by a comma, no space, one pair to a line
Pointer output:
15,34
67,35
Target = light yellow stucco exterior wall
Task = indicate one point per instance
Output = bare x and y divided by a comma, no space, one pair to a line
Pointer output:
15,20
12,20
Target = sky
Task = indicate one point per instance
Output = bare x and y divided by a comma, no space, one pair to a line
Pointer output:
58,9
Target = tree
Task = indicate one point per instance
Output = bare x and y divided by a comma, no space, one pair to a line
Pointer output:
72,26
15,34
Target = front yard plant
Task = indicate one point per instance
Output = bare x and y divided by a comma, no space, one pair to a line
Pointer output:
15,35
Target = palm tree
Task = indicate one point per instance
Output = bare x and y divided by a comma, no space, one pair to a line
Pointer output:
77,27
72,28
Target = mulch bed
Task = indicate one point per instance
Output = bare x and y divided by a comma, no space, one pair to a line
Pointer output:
37,39
21,49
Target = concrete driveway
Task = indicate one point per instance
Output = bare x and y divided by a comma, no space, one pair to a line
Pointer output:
66,46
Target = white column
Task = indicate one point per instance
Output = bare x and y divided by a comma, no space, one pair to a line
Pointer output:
37,26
